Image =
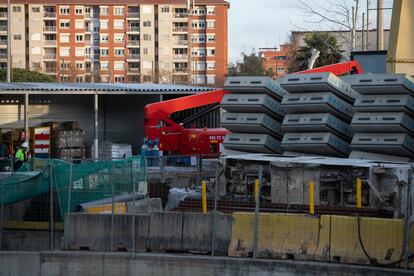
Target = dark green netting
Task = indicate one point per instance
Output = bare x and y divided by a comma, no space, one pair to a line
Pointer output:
79,183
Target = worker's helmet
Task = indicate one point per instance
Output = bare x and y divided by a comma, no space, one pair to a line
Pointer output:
25,145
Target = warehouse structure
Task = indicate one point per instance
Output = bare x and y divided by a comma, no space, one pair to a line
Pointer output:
112,112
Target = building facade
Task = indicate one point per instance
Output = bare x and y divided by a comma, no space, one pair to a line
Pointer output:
138,41
275,59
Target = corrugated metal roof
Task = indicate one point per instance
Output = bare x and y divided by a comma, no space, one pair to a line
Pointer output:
99,88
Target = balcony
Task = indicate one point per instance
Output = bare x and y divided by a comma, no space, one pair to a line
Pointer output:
49,56
180,15
50,70
180,57
133,56
3,28
3,42
133,70
3,56
50,43
133,43
49,14
180,71
180,29
49,29
133,29
3,14
132,15
88,29
181,42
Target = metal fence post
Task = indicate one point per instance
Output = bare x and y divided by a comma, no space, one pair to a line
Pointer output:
133,211
113,206
69,201
213,239
51,222
1,213
256,214
407,219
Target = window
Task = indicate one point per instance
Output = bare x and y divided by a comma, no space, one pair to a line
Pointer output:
211,10
280,69
211,52
165,9
103,10
104,52
64,38
119,78
281,58
17,37
211,79
211,65
64,10
198,24
65,65
78,10
146,51
79,37
147,78
147,23
201,65
199,52
200,79
79,65
118,24
119,65
211,38
64,24
79,24
118,10
17,9
36,9
119,52
79,79
104,38
104,24
87,10
211,24
64,52
79,52
147,37
104,65
119,38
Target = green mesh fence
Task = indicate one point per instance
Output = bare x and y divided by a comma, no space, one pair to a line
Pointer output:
75,183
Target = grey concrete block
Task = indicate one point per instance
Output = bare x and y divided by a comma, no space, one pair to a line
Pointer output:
93,232
198,232
165,232
145,206
27,240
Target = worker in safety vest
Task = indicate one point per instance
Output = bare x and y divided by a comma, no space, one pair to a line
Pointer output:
21,156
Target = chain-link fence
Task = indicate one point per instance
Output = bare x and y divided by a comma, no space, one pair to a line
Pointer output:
188,204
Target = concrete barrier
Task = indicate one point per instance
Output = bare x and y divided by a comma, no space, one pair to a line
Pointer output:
280,235
93,232
165,232
383,240
198,232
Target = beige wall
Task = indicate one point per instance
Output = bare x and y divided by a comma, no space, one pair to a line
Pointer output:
147,59
165,43
18,47
36,37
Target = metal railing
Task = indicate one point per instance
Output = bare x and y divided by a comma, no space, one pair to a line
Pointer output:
3,14
132,15
180,29
49,14
3,28
49,28
133,29
3,42
49,56
133,42
181,42
50,42
180,57
133,56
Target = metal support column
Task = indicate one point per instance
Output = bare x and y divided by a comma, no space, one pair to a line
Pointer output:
380,25
26,116
96,137
9,38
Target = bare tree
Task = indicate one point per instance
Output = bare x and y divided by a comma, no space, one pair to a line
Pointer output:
338,13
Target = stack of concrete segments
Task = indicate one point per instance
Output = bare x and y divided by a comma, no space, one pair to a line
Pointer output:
318,114
384,118
253,114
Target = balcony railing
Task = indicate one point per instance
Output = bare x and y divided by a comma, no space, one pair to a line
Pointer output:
181,42
2,56
180,29
133,15
133,29
133,56
133,42
133,69
180,57
180,70
49,56
3,42
50,42
3,28
3,14
180,14
50,14
49,28
50,70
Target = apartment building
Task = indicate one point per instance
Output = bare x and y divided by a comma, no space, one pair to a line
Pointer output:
275,59
139,41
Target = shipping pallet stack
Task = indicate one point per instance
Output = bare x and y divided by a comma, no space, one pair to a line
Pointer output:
384,122
254,114
318,114
68,141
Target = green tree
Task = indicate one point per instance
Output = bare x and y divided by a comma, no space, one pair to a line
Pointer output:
322,41
24,75
252,65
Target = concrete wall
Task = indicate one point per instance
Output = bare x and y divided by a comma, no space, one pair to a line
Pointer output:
87,263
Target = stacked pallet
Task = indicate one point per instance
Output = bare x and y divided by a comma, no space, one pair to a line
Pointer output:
108,150
254,114
68,141
318,114
384,118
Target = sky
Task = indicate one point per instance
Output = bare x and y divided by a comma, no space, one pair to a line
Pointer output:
256,24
